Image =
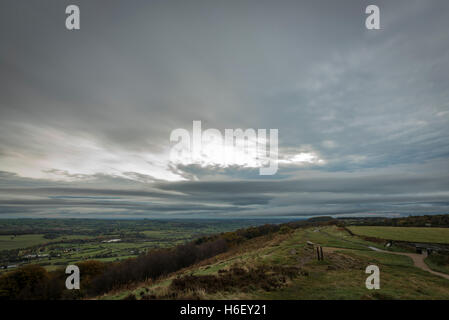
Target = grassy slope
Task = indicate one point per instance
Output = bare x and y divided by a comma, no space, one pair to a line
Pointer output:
430,235
438,263
340,276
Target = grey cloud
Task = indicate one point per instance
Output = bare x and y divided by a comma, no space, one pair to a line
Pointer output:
377,184
312,196
373,105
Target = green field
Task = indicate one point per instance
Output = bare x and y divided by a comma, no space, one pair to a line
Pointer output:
438,262
11,242
55,243
22,241
411,234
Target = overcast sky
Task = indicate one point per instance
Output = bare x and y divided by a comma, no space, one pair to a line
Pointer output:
86,115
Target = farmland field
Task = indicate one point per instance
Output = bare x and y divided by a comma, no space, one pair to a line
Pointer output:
411,234
8,242
54,243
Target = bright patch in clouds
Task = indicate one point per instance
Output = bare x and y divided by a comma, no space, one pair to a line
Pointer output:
214,152
56,155
303,158
53,154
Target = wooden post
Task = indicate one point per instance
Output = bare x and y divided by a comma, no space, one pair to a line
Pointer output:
321,251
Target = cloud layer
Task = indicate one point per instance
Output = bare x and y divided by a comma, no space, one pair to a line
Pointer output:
86,116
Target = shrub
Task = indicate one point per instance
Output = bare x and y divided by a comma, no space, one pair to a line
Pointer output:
28,282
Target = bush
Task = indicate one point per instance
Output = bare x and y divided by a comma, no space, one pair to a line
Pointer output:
263,277
28,282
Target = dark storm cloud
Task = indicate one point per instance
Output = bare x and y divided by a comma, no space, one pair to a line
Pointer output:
85,116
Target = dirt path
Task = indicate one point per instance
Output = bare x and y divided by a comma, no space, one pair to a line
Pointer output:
418,259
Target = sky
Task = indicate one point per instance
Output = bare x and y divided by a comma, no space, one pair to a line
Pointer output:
86,115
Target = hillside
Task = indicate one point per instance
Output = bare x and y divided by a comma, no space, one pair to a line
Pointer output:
281,265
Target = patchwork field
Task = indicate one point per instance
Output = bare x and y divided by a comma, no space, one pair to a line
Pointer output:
54,243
